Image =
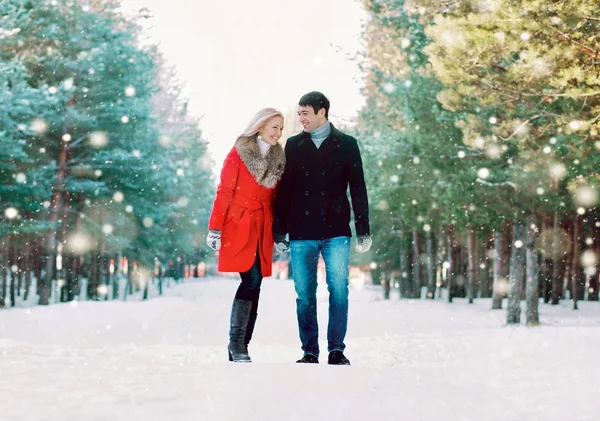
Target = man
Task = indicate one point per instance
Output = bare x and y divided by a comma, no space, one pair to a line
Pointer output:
312,207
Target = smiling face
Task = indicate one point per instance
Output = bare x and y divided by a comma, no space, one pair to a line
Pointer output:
272,130
309,119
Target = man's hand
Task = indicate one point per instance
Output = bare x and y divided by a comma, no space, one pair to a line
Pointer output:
282,245
363,243
213,239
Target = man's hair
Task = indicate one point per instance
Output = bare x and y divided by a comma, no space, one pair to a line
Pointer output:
316,100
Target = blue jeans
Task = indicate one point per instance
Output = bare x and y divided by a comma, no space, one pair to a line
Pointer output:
305,256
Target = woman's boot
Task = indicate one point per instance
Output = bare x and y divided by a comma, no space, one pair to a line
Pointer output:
251,321
240,316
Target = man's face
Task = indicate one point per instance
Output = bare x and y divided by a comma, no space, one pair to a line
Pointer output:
309,119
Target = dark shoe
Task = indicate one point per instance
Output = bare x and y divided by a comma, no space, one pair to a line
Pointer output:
308,359
337,358
240,315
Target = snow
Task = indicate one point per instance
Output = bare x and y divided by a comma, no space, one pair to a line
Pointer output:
165,359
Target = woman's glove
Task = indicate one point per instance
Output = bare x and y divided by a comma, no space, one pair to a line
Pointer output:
213,239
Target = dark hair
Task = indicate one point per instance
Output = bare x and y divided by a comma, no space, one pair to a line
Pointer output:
316,100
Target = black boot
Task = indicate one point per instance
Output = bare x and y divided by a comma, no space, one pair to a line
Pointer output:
251,321
240,316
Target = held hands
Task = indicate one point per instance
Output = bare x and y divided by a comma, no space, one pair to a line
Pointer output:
282,245
213,239
363,243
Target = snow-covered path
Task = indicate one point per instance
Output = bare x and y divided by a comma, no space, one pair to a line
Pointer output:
165,359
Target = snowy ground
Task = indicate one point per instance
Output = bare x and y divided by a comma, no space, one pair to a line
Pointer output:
165,359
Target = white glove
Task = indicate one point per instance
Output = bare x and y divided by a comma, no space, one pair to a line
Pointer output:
363,243
213,239
282,245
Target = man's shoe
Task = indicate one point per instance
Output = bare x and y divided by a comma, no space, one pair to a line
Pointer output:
308,359
337,358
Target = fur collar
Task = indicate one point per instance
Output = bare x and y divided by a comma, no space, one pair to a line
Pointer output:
267,170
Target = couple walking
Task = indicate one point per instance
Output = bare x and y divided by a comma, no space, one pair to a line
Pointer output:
266,195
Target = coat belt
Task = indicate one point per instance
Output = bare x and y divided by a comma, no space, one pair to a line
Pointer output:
249,205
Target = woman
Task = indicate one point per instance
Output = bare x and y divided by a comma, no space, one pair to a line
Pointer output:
241,219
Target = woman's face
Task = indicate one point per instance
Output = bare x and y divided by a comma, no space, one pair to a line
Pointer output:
272,130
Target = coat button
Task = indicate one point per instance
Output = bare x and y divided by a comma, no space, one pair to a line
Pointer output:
322,212
306,213
306,172
306,193
322,192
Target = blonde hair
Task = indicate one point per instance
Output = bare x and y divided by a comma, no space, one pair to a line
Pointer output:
259,120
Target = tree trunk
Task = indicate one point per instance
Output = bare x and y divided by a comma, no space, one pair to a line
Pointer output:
46,284
451,262
38,263
416,264
439,265
12,261
472,263
576,269
595,276
63,273
160,280
431,259
558,262
516,273
405,284
27,267
3,271
91,288
116,277
547,263
532,287
19,262
484,271
386,285
73,287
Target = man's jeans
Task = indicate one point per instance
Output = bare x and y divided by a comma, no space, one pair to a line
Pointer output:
305,256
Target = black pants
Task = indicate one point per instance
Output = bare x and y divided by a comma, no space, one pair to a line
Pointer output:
249,289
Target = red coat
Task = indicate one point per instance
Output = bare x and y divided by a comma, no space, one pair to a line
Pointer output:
242,209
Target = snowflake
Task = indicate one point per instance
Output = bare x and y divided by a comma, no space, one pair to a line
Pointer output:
586,196
483,173
118,197
11,213
98,139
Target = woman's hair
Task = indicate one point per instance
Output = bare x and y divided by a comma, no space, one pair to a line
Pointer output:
259,119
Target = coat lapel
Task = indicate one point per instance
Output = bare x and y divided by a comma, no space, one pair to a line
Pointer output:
312,153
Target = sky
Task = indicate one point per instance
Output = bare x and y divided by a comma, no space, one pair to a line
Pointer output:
236,57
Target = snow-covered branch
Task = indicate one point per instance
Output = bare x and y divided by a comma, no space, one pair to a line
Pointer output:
502,184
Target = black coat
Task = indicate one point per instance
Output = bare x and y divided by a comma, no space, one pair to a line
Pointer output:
312,201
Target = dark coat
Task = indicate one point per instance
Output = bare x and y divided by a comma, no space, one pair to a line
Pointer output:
312,201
